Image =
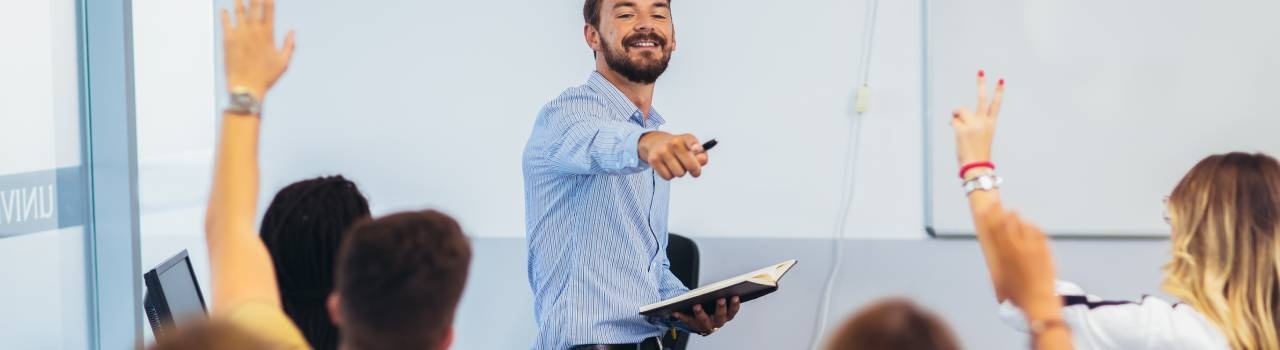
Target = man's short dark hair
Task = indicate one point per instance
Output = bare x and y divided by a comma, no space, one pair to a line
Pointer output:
591,12
400,278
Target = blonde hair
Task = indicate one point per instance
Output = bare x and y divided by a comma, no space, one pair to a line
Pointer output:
1225,215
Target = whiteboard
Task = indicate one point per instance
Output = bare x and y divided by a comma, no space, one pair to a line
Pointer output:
1109,103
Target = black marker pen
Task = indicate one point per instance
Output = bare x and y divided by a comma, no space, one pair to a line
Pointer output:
709,145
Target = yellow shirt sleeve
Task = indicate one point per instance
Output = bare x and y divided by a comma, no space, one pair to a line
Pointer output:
270,324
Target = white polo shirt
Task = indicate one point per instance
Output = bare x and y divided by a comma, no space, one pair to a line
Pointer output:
1149,323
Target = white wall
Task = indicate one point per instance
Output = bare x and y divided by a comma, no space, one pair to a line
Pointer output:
773,81
429,104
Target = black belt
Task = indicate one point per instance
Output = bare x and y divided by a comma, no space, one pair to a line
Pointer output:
647,344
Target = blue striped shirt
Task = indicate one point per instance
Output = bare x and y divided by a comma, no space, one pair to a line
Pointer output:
596,220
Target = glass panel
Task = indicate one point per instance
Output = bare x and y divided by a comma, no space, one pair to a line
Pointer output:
174,87
42,194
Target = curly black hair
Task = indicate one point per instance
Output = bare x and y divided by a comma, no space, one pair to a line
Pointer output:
303,229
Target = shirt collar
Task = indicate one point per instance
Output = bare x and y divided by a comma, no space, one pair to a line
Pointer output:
621,104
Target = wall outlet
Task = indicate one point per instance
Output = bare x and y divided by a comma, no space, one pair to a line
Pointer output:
863,99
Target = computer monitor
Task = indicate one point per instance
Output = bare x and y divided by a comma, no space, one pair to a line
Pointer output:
173,295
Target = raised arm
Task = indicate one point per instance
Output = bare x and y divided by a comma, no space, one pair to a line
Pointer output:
1017,252
975,131
241,267
1028,278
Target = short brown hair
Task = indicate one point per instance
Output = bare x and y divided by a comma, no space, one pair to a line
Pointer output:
591,12
894,324
400,278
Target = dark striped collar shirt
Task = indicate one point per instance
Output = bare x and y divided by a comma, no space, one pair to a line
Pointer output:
596,220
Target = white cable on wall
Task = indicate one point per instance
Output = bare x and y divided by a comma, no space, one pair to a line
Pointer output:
850,174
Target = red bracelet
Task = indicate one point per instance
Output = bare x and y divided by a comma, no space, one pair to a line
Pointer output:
965,169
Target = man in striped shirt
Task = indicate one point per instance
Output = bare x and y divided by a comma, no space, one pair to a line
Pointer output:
596,172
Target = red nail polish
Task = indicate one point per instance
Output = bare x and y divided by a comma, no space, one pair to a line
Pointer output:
1002,82
982,73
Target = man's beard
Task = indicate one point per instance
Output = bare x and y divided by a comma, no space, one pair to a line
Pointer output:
648,69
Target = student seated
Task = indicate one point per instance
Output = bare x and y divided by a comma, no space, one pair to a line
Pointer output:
302,229
893,324
399,278
399,281
1224,217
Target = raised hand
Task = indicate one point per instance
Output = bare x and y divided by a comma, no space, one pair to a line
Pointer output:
254,63
976,130
239,262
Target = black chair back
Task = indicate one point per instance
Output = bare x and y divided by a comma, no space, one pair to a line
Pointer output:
683,254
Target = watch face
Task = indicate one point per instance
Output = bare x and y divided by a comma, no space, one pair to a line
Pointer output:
244,103
986,182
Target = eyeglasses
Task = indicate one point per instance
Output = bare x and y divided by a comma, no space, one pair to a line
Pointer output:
1167,220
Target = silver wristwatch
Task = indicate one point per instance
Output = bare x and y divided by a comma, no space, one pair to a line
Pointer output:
244,102
984,182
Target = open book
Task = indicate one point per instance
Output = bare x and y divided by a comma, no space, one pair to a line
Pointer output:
746,287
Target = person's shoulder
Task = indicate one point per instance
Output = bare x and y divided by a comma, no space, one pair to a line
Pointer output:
575,105
269,323
1155,323
1182,326
579,100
